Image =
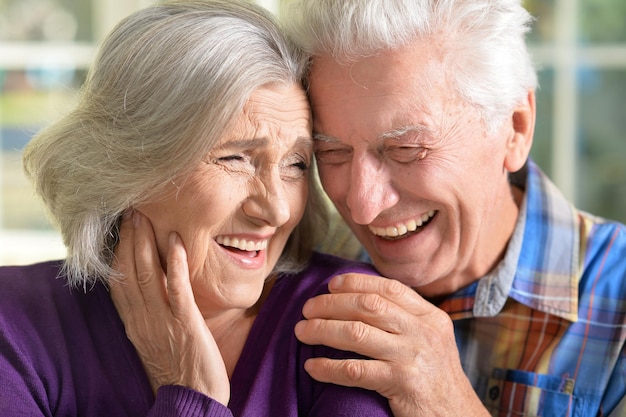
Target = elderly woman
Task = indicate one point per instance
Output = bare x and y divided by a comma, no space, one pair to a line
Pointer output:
191,145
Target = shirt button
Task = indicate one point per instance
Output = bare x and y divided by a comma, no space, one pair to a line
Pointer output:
494,393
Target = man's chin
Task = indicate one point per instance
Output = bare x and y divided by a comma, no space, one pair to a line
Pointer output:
408,273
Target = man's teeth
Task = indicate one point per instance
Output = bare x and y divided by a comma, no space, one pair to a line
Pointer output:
401,229
242,244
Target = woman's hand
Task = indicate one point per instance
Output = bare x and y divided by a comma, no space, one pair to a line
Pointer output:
415,362
160,314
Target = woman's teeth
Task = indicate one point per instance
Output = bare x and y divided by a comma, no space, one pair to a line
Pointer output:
402,229
242,244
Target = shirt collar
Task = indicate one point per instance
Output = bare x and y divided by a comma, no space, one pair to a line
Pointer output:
493,289
541,267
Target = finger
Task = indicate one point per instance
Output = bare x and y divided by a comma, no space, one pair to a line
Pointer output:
391,289
353,336
179,289
372,309
368,374
149,276
124,263
124,251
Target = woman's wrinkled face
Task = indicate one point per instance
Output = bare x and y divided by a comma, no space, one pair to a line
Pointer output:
241,203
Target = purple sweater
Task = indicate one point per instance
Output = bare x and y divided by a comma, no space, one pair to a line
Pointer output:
65,353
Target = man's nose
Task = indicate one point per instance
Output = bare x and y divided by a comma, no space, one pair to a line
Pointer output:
370,189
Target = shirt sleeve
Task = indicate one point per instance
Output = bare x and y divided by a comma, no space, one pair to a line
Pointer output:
178,401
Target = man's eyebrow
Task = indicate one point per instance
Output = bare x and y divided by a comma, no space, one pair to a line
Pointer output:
324,138
390,134
403,130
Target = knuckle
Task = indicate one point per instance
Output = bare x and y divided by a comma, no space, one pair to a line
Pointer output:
372,303
175,292
357,332
175,264
355,371
142,246
393,289
145,277
442,319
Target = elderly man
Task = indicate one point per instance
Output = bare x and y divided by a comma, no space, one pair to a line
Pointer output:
424,112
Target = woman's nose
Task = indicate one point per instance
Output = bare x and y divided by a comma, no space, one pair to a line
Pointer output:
268,200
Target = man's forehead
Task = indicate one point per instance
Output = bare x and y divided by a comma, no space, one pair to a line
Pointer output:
402,64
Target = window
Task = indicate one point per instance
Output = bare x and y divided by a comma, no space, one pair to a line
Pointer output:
579,46
46,47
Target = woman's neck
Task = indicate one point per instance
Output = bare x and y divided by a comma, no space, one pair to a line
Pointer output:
231,330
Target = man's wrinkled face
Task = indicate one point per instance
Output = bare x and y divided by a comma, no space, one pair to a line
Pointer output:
408,164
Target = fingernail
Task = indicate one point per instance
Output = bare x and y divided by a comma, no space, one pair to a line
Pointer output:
136,218
173,239
299,327
336,282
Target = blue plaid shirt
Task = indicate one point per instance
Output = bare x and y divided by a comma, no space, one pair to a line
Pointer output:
543,334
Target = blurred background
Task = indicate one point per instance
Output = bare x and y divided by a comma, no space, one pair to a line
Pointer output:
579,47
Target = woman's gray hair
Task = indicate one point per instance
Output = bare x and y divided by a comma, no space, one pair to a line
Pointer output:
166,84
483,41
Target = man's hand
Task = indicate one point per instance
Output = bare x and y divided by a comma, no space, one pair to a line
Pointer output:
160,314
415,362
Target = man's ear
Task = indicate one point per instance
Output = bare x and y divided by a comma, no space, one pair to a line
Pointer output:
520,140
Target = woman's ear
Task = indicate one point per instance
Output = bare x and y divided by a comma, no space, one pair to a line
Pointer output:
521,138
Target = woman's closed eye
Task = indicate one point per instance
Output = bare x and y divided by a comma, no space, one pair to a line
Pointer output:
231,158
237,162
294,167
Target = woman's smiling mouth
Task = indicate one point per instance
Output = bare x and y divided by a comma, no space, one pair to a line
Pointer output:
252,247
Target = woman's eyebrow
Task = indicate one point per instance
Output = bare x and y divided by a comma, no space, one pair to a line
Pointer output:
244,143
304,141
301,141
